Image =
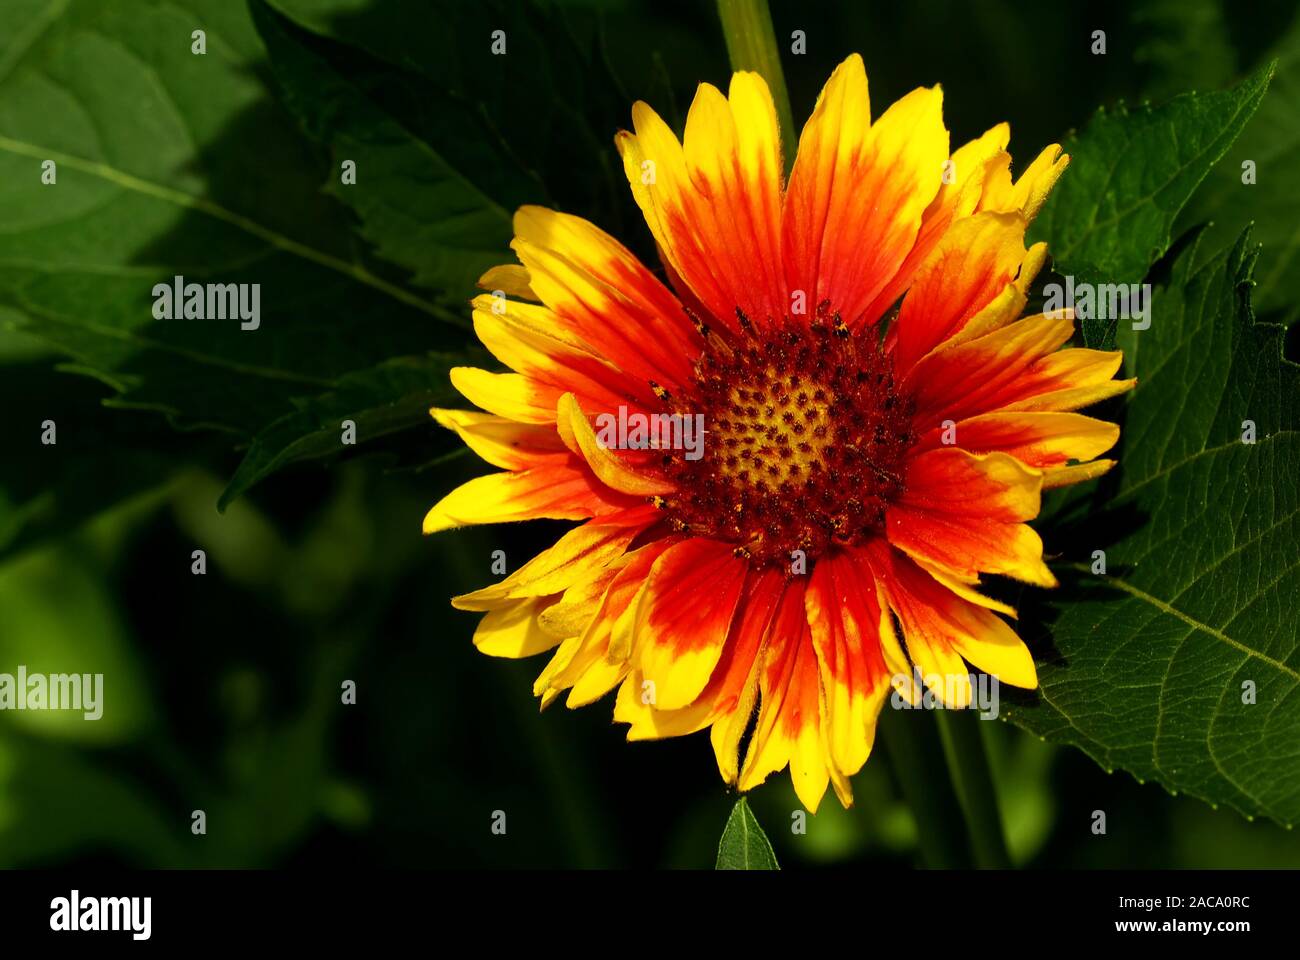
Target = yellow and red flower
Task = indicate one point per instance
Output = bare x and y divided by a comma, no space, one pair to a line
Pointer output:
865,462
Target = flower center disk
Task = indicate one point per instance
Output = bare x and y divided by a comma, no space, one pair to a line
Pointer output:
805,439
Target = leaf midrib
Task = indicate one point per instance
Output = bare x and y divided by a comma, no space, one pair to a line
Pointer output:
188,201
130,336
1188,620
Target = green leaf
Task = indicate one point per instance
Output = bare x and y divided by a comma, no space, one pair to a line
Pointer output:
744,846
381,401
1148,667
1130,173
184,165
1272,203
533,125
415,208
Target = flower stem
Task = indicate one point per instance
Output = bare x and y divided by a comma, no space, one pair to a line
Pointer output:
912,744
751,45
967,755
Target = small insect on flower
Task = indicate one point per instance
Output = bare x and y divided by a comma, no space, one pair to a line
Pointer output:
879,424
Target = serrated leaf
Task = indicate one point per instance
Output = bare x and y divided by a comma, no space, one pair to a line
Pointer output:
1147,665
744,845
183,165
1207,43
534,124
1131,171
1272,203
415,207
381,401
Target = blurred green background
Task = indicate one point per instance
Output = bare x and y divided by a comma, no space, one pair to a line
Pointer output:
223,690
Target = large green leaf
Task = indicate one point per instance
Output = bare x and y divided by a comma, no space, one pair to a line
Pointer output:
1131,171
744,845
1148,667
185,165
414,206
1272,202
379,402
533,122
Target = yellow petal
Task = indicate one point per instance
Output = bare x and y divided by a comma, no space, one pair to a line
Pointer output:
508,395
581,553
606,464
511,279
501,442
513,630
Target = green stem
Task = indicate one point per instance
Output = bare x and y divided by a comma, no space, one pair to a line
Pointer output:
751,45
965,750
913,745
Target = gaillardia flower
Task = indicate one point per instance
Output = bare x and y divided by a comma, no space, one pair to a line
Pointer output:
878,424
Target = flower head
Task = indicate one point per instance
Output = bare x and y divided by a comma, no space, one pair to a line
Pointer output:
794,460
